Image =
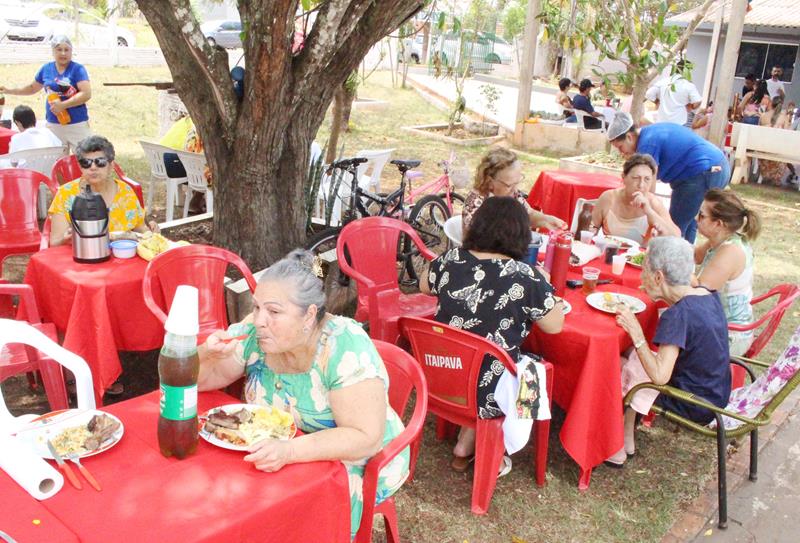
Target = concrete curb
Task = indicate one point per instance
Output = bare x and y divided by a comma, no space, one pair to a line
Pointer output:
702,512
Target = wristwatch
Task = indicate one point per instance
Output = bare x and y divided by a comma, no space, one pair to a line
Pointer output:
639,344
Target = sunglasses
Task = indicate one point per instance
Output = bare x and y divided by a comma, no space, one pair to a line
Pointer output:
100,162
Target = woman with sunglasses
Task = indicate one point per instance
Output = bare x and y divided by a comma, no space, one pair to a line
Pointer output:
500,174
96,159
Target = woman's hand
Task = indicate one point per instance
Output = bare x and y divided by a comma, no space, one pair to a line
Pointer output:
552,223
270,454
57,107
153,227
641,201
628,321
219,345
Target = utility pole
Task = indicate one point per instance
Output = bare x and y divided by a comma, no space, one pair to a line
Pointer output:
730,55
526,68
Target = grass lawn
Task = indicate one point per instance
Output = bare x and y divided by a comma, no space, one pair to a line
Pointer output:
637,504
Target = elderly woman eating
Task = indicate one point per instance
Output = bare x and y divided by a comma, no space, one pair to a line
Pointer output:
633,211
692,339
483,288
725,259
323,368
96,159
499,174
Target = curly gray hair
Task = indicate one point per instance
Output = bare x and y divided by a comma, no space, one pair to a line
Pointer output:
58,39
93,144
672,256
297,270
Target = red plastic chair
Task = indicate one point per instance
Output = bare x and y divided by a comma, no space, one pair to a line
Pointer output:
17,358
787,294
404,376
371,247
19,229
452,396
67,169
201,266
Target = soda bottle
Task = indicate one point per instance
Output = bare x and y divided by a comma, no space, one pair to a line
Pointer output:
178,367
585,217
63,116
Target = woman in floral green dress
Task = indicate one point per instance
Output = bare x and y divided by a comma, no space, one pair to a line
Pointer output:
322,368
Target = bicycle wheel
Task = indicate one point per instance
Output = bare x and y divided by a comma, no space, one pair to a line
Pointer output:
323,245
427,218
457,201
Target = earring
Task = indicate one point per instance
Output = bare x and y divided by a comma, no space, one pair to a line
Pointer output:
306,329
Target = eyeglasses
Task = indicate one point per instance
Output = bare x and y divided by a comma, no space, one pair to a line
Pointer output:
100,162
513,183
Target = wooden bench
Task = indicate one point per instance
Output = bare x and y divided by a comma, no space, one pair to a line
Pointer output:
762,142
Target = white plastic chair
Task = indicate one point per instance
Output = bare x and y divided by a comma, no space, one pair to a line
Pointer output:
41,160
158,172
453,228
12,331
581,117
195,165
573,225
369,173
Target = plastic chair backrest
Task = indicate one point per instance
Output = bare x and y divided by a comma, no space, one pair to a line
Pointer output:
41,160
582,116
405,375
573,225
376,160
454,229
155,157
201,266
451,360
787,294
12,331
19,192
26,310
195,166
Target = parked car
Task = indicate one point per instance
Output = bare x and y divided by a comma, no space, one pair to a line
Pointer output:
40,22
225,33
452,49
413,48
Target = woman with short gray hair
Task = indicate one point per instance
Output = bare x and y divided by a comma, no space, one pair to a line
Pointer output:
692,340
322,368
66,84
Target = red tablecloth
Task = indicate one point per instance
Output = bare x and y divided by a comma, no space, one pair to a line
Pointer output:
586,359
212,496
5,139
556,192
98,307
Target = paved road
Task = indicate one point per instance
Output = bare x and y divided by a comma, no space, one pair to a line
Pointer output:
766,511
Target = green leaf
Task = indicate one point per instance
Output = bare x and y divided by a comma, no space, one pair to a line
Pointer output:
306,4
456,25
442,20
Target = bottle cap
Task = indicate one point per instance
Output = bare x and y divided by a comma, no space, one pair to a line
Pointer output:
182,319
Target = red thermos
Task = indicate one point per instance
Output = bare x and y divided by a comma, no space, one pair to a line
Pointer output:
563,250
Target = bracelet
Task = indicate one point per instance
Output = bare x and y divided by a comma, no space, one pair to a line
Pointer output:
639,344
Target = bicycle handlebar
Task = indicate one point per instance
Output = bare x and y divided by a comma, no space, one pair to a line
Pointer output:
347,163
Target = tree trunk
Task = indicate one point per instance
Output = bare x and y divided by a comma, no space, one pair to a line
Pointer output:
349,96
637,98
337,120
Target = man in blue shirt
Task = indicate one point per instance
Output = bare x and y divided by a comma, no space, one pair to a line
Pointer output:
582,102
690,164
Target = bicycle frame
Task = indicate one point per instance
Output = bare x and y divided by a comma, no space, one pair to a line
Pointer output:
442,184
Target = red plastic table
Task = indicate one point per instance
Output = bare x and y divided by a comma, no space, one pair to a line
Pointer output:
557,191
98,307
211,496
586,383
5,139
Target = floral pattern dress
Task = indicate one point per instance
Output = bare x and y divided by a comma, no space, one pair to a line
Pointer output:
498,298
124,213
345,356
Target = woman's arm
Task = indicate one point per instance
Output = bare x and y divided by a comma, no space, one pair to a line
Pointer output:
220,365
553,322
81,97
360,414
599,211
60,231
727,263
700,252
31,88
424,287
543,220
658,366
657,214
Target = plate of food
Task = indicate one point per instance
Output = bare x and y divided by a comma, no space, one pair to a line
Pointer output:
636,259
82,432
611,302
237,426
625,245
567,307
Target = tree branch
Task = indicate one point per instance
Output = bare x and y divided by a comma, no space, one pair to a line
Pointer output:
630,27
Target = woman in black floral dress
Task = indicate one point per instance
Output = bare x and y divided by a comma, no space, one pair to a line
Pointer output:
484,288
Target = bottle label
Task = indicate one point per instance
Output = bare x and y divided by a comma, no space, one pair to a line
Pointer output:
178,403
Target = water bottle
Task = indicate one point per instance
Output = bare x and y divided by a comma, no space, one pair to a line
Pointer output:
551,245
558,274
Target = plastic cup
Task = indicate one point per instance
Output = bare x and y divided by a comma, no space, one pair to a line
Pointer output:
617,264
590,276
586,237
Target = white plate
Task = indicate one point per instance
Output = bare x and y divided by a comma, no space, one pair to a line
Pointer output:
48,426
598,301
230,408
566,307
620,240
631,255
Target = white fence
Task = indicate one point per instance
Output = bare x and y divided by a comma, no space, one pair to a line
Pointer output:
91,56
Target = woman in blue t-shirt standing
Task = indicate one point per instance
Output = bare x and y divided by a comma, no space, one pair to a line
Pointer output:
66,84
690,164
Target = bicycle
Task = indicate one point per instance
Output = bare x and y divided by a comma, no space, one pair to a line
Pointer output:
444,186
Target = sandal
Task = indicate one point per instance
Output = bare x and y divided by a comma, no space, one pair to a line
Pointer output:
505,466
460,464
116,389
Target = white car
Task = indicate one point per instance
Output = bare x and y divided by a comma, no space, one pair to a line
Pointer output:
40,22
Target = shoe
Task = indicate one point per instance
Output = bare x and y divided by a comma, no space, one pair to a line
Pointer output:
115,389
505,467
616,460
460,464
613,465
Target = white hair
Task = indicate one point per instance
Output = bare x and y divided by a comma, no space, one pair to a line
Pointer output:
296,271
58,39
672,256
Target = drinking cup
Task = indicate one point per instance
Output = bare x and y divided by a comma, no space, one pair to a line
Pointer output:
590,276
617,264
611,250
586,237
533,249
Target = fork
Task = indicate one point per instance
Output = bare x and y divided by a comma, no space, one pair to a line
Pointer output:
89,477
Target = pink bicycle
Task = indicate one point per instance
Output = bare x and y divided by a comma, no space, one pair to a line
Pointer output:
453,177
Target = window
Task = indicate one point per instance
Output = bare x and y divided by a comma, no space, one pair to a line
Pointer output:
759,58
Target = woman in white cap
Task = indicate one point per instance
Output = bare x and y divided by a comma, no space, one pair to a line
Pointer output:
68,88
690,164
